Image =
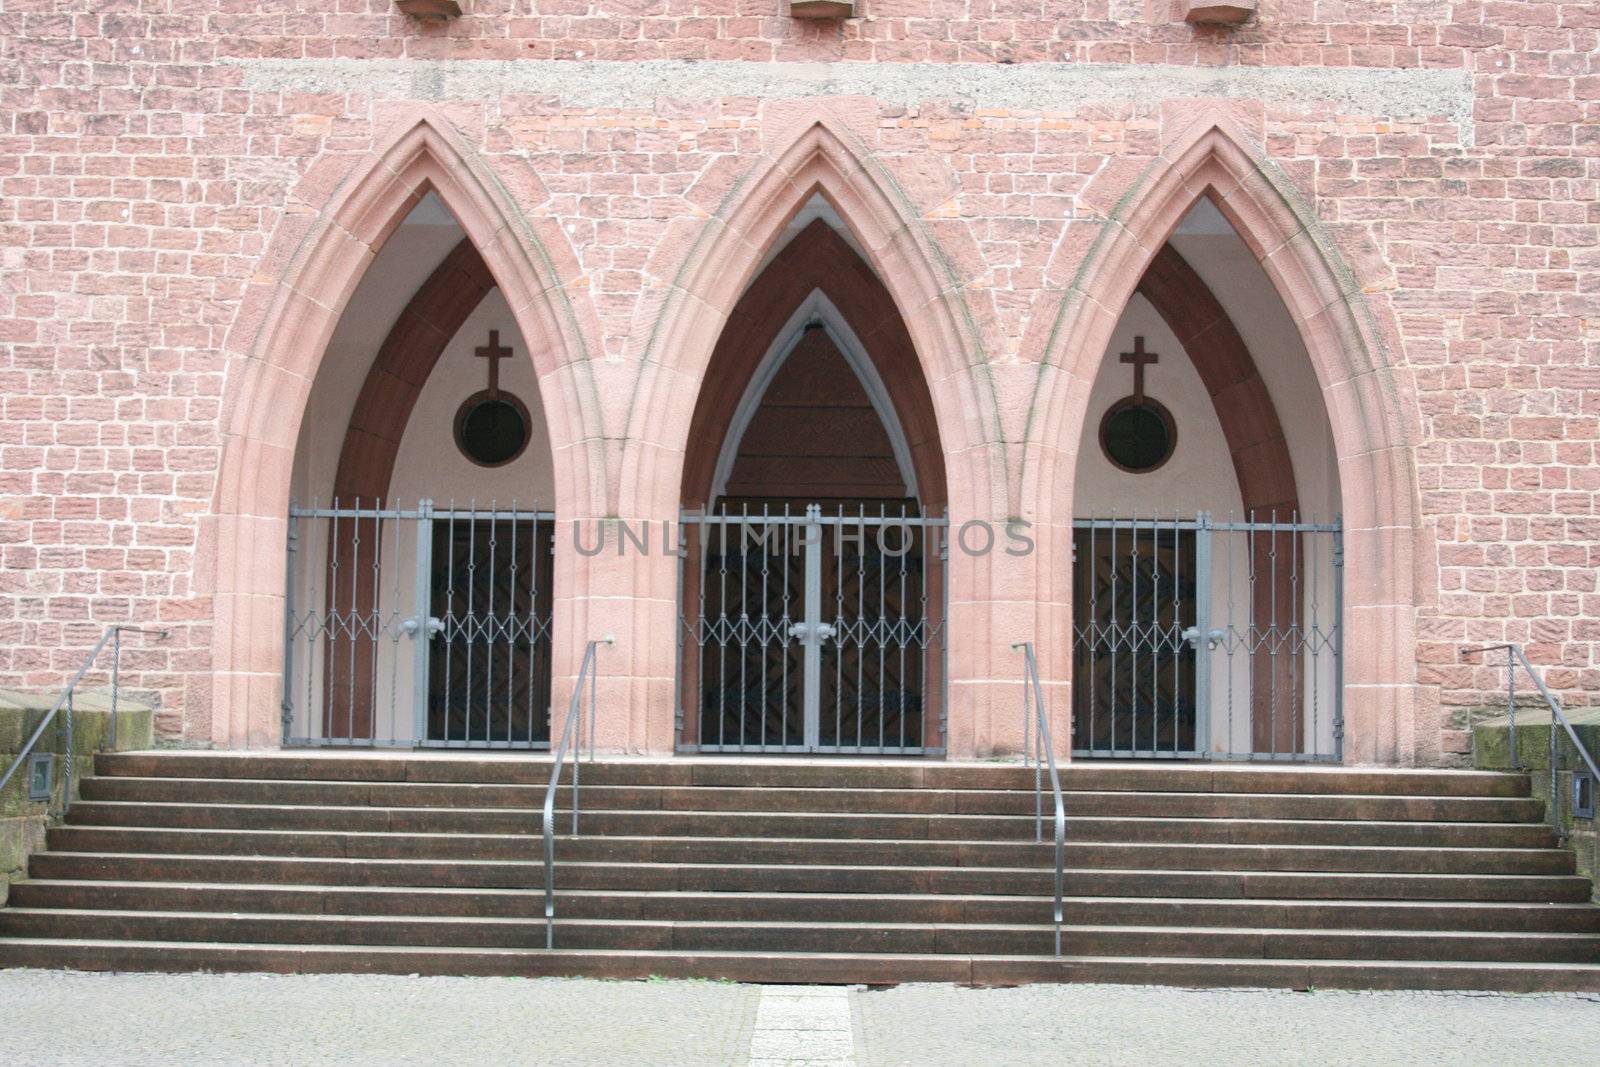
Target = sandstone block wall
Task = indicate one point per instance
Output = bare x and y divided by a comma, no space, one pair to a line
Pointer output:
162,164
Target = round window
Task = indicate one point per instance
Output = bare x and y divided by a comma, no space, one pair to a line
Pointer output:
492,428
1138,435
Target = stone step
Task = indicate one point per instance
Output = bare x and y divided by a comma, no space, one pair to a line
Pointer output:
731,850
807,870
1117,804
802,878
839,774
798,967
766,907
792,936
829,824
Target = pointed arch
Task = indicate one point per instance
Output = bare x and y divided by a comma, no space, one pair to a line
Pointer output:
401,368
816,312
816,263
342,215
1371,412
1245,409
718,267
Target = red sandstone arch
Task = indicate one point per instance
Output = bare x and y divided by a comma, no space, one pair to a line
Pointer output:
278,340
400,369
1369,409
716,270
706,267
1262,466
816,259
434,314
1244,408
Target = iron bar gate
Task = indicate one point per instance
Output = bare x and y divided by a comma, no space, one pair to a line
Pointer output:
418,628
812,632
1205,639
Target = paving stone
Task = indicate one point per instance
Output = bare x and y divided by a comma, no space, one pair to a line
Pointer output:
72,1018
937,1025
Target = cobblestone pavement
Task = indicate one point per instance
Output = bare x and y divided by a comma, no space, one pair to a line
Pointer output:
51,1018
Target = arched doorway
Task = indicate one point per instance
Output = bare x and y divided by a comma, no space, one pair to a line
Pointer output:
1208,551
280,340
421,527
812,583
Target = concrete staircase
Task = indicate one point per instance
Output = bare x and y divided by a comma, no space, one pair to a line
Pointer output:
807,871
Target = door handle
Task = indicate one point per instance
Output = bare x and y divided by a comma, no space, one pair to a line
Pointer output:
435,625
806,632
1192,635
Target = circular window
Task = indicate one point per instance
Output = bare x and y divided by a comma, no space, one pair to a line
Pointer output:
1138,435
492,428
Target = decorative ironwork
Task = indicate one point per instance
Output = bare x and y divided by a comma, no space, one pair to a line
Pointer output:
813,632
1205,639
423,627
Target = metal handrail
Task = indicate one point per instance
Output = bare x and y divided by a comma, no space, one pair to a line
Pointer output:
1515,655
570,733
113,634
1043,753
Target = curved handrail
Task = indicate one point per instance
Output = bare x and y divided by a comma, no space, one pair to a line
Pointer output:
113,634
1514,655
1044,753
571,735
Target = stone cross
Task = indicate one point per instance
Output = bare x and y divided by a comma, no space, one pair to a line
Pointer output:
494,352
1138,357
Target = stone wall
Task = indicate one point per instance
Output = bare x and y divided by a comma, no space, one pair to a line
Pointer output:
23,821
167,170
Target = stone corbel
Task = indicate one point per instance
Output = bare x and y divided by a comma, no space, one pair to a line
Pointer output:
432,10
1216,13
822,9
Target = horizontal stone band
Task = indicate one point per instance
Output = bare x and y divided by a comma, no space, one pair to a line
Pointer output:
1412,94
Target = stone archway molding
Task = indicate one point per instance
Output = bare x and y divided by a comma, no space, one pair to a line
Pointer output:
818,264
711,274
817,311
342,213
702,270
1371,409
404,362
1244,407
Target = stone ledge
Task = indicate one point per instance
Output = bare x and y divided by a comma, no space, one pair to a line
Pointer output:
1491,750
1491,736
23,821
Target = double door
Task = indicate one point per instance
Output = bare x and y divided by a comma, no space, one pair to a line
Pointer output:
1208,639
812,632
418,627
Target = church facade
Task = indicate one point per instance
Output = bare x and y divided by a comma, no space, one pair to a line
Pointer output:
811,366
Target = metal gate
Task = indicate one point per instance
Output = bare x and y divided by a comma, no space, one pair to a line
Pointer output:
418,628
1197,639
812,632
